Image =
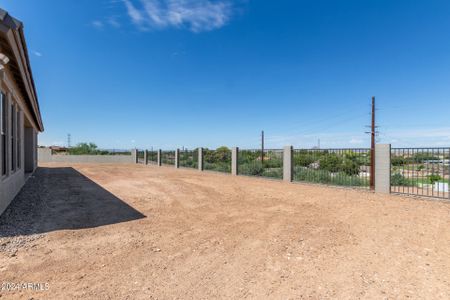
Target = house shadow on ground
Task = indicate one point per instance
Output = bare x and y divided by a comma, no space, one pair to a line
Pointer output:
62,199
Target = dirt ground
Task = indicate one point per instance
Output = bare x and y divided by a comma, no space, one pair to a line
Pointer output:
137,232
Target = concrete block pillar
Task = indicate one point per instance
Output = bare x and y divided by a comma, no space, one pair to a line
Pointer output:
159,158
177,158
200,159
234,161
287,163
146,157
134,155
383,168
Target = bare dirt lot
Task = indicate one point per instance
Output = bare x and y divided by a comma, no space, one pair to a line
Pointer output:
137,232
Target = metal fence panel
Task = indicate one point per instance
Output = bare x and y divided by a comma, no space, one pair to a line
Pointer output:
340,167
140,156
420,171
152,157
168,158
267,163
218,160
189,158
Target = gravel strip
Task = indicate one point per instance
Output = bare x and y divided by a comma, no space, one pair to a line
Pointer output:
18,224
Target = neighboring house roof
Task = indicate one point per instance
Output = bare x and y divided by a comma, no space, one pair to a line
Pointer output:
58,148
13,45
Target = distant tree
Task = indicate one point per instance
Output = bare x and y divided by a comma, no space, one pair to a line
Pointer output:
303,159
398,161
350,167
331,162
434,178
221,154
84,148
423,156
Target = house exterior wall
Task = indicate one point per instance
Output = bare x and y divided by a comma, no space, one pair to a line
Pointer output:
20,117
12,182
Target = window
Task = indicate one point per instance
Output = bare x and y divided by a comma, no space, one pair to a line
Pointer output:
19,140
3,133
13,137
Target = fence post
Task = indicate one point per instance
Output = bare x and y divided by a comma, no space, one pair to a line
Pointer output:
177,158
287,163
146,157
234,161
200,158
134,155
383,168
159,158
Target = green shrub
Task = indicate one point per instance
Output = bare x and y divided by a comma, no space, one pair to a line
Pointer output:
331,162
326,177
273,173
350,167
303,159
434,178
218,167
400,180
254,169
273,163
398,161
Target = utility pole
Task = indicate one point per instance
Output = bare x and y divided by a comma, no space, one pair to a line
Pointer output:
262,148
318,144
372,147
69,140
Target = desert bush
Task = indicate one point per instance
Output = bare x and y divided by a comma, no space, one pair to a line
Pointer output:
303,159
400,180
331,163
273,173
254,169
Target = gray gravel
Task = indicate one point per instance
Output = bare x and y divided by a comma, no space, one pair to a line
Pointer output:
18,223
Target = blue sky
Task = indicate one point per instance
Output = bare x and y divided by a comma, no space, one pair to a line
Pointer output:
143,73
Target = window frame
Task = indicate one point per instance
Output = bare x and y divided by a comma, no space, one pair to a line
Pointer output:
4,134
12,138
18,138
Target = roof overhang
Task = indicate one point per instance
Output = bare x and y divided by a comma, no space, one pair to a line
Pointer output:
13,45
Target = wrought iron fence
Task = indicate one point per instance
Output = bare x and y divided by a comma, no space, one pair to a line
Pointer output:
168,158
341,167
420,171
189,158
217,160
152,157
267,163
140,156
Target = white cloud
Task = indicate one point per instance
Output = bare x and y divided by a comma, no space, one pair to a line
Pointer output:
98,24
113,22
36,53
196,15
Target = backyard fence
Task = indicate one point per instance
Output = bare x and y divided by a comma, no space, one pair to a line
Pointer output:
218,160
341,167
188,159
411,171
141,156
168,157
420,171
261,163
152,157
